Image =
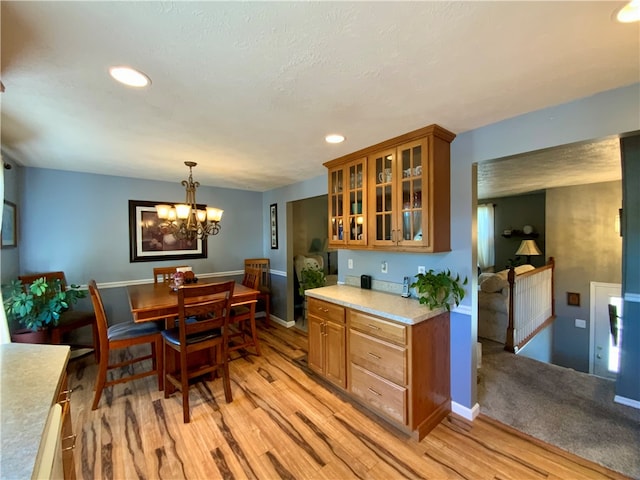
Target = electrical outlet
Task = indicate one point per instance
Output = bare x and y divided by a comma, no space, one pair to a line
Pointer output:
350,263
422,269
384,267
581,323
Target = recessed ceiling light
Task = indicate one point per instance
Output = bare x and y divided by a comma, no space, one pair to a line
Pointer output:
630,12
129,76
334,138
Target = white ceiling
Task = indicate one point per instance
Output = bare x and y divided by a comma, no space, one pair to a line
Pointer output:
249,89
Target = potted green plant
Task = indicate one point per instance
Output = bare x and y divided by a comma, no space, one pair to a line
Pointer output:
38,306
310,277
439,289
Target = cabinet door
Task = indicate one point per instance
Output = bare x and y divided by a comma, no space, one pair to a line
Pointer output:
316,344
335,356
382,224
337,220
356,173
412,194
67,436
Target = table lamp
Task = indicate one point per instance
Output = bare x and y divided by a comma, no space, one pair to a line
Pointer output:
528,248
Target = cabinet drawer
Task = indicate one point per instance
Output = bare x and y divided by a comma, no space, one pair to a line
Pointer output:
380,357
392,332
325,310
382,395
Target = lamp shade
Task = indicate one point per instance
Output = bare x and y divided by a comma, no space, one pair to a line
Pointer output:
528,247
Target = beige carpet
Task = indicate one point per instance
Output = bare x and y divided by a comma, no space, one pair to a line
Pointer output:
572,410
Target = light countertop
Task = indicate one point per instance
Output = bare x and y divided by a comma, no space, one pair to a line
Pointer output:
30,377
391,306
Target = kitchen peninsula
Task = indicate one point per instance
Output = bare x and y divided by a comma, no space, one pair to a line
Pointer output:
33,377
389,353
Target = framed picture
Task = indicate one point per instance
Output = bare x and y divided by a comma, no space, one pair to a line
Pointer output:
273,211
149,242
573,299
9,230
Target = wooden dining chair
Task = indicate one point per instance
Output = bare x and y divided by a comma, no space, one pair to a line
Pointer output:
264,298
244,312
70,320
203,324
124,335
163,274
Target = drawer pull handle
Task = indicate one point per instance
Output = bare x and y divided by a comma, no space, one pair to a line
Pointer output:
67,396
73,445
374,392
373,327
377,357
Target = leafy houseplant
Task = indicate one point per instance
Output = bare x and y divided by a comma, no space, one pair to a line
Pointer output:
38,306
311,277
439,289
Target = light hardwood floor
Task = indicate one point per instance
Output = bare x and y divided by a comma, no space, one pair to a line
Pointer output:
284,424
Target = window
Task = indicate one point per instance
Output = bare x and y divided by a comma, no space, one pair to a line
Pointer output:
486,249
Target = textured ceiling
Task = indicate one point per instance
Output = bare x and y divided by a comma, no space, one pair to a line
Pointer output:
576,164
249,89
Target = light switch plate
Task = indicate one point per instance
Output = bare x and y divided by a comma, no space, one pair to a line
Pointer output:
350,263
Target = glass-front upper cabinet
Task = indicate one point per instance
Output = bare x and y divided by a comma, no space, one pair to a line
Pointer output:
382,191
394,195
348,204
413,194
400,177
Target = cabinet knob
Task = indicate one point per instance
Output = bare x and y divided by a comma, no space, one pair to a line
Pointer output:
377,357
373,327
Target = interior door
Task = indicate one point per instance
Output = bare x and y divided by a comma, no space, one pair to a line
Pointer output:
605,340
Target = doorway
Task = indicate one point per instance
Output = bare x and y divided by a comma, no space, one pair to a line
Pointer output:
309,237
606,329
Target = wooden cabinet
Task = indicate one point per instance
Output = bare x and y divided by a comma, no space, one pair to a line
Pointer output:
68,439
348,204
400,371
405,195
327,337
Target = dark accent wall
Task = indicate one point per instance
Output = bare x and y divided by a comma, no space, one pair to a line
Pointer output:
513,213
628,381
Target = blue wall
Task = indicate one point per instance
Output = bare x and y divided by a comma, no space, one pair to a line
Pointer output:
79,223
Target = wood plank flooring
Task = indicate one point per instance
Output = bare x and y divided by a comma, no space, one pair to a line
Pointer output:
284,424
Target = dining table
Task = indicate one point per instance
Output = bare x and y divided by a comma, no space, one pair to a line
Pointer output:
158,301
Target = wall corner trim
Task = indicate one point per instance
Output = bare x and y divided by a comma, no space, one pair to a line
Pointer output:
465,412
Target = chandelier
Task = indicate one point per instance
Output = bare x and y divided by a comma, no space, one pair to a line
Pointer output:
185,220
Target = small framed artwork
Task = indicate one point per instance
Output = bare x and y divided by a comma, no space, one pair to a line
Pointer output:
150,242
9,230
273,215
573,299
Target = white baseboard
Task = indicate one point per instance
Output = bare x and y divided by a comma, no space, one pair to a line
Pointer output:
629,402
278,320
465,412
